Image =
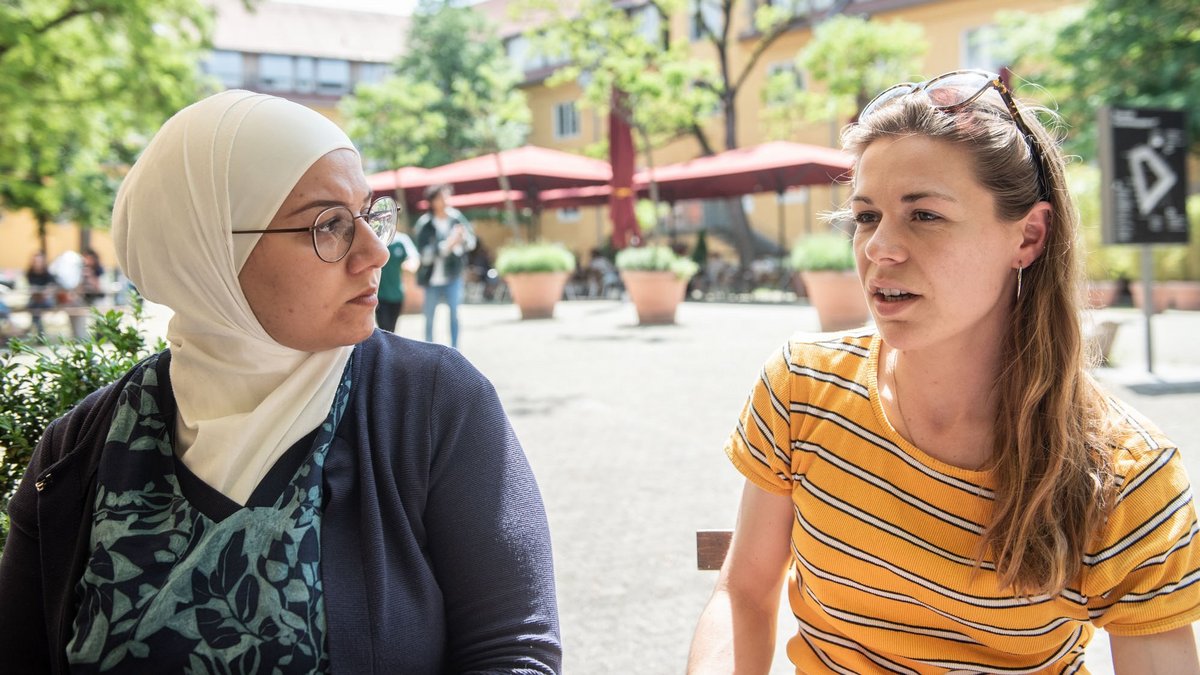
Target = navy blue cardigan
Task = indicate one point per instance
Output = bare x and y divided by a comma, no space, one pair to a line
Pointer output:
435,548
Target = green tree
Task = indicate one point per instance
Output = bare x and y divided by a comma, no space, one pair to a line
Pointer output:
454,49
1111,52
83,83
614,58
853,59
701,93
42,381
392,122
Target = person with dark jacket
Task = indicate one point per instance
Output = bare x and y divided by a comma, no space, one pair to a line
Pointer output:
285,488
444,237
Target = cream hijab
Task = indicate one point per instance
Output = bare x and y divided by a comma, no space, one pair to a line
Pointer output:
224,163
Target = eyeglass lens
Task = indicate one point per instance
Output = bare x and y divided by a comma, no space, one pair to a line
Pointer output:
333,230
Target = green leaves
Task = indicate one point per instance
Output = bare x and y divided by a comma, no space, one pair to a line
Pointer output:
454,95
849,60
40,382
83,84
1111,52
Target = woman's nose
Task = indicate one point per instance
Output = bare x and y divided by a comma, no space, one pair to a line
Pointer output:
886,244
368,249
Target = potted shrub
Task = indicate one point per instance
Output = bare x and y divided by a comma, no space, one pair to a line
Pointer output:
536,275
826,265
656,280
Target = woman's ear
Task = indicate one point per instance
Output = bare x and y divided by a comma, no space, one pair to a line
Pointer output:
1035,228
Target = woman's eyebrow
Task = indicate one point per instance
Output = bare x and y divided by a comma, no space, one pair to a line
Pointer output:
325,203
917,196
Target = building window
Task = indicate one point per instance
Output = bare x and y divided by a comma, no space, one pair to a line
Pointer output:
566,120
783,81
648,22
227,67
569,215
370,73
306,74
275,72
333,76
711,13
981,49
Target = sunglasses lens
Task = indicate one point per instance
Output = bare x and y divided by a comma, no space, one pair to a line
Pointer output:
956,89
887,95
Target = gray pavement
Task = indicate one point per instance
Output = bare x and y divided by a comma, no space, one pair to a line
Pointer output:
624,426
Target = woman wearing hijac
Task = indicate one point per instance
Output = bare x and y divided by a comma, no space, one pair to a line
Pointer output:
285,489
951,491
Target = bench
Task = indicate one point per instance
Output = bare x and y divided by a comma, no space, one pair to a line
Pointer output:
711,547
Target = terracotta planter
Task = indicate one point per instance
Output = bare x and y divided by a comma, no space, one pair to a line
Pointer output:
655,295
1102,293
536,293
1162,295
1183,294
838,298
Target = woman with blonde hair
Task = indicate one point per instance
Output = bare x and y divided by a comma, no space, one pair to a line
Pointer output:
950,491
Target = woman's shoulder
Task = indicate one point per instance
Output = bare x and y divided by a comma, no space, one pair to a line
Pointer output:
845,352
390,359
88,420
1135,438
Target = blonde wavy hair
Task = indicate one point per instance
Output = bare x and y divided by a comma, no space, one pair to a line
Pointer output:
1052,452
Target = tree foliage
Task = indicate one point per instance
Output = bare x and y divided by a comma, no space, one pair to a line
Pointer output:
669,91
454,94
1112,52
83,83
852,59
43,381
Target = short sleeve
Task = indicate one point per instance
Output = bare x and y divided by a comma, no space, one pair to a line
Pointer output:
760,445
1142,578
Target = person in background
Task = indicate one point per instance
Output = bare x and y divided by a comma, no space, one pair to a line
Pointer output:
91,283
402,257
950,491
444,237
285,488
43,287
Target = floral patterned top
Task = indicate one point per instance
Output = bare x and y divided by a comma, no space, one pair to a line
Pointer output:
183,579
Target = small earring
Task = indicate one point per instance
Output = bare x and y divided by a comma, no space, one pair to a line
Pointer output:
1019,270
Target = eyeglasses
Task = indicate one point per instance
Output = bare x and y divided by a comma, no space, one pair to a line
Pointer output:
952,92
333,229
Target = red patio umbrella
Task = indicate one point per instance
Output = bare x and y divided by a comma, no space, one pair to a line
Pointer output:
768,167
562,198
405,184
529,169
621,156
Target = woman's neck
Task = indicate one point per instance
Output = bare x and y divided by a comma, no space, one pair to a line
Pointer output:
944,400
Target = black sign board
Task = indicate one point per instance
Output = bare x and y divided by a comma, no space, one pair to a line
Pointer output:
1143,163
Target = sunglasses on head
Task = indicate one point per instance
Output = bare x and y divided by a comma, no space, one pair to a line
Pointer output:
954,91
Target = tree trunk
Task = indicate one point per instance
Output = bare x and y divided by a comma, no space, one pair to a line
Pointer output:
510,210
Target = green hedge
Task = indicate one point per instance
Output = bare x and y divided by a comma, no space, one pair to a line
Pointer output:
656,259
536,257
42,381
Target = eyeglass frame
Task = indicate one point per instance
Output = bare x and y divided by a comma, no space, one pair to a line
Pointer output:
312,229
992,81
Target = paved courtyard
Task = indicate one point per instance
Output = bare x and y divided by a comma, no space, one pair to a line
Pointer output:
624,426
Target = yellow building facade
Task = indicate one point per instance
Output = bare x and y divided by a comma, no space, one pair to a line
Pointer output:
283,62
959,36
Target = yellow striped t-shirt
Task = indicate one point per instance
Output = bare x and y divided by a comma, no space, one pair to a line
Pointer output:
882,577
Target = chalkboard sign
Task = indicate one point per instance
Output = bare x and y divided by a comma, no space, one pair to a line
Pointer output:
1143,162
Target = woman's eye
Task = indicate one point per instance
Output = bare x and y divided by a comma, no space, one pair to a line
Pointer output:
333,225
924,216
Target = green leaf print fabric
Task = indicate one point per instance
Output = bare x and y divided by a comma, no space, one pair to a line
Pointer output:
168,589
